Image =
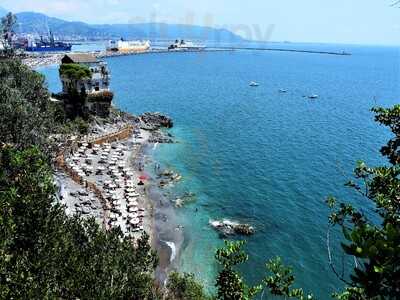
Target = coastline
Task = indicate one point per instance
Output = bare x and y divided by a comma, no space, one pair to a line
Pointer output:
79,197
37,60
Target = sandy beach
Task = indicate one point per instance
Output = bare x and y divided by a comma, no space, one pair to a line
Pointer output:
105,181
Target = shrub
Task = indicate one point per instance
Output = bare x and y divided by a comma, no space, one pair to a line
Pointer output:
75,71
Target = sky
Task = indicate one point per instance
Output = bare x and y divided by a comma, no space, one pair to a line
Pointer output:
322,21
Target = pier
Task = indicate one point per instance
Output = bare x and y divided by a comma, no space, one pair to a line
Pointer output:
284,50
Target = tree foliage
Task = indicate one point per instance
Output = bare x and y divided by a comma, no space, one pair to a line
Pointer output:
184,287
46,255
281,281
28,115
230,284
24,106
7,26
75,71
375,241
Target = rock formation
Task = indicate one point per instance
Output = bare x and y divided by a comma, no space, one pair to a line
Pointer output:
226,227
155,121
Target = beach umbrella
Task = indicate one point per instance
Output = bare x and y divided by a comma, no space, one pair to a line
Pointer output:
117,205
133,195
143,177
132,209
132,216
132,203
134,221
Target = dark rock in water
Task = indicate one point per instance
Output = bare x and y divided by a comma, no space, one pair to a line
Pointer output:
155,121
226,228
244,229
160,137
167,173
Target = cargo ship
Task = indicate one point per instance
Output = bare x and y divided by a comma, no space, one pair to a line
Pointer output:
128,46
47,46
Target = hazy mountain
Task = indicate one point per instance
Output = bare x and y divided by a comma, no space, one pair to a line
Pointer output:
30,22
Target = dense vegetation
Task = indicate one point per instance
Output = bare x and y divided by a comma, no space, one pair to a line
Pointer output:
28,117
7,29
75,71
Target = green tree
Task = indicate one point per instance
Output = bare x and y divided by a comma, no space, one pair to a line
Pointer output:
7,27
27,113
75,72
374,241
230,284
281,280
46,255
184,287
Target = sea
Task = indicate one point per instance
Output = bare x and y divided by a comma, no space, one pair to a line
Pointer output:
259,155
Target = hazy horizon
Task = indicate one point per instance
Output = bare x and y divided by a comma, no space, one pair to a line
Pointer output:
369,22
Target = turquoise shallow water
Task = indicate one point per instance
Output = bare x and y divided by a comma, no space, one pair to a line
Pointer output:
260,156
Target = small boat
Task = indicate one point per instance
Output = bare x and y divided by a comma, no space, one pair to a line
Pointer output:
282,91
313,96
253,83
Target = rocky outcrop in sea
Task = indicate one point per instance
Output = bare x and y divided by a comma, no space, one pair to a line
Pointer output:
227,227
155,121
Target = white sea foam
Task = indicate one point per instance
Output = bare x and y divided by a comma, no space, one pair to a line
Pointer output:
224,222
172,246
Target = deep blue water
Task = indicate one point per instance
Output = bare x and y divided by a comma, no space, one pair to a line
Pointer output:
260,156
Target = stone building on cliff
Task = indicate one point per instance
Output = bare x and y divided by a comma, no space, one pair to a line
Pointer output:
85,84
